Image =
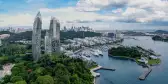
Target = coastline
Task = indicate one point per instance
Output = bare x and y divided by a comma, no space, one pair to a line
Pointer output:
124,57
94,74
144,74
134,59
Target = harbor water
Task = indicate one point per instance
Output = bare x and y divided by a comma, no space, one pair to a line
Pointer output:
127,71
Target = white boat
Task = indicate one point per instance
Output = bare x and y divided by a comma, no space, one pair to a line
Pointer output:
99,52
86,53
86,58
95,53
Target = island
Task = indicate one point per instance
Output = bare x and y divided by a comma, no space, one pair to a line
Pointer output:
160,38
141,56
133,33
137,53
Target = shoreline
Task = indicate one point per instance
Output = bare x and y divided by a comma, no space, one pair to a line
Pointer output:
144,74
94,74
134,59
123,57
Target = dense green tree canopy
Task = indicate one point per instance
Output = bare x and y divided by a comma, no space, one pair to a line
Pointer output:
45,80
132,52
159,38
64,35
55,69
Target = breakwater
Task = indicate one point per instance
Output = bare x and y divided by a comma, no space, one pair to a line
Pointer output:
146,73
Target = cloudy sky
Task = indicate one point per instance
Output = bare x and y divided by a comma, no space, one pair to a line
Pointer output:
98,14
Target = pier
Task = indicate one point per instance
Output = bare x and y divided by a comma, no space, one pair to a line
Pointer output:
94,74
145,74
95,69
108,69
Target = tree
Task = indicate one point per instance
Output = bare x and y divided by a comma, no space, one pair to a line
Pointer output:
40,71
16,78
75,79
6,79
21,82
45,80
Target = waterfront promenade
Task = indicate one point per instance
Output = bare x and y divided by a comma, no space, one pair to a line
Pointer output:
94,74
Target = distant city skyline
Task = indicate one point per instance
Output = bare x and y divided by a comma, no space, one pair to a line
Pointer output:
109,15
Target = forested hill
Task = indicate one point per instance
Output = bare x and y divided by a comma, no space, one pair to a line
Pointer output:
6,32
160,32
64,35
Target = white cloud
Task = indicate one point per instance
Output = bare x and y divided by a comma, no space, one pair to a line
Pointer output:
63,14
16,20
123,10
119,10
71,14
136,10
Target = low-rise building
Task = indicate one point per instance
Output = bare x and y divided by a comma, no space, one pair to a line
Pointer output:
3,36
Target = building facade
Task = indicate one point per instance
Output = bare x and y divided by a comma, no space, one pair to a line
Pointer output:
54,35
36,37
47,43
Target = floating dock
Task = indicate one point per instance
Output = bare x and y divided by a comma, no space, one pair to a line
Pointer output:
145,74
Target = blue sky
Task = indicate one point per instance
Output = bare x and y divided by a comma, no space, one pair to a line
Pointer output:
98,14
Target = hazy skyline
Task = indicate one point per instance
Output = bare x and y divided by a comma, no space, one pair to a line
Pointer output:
98,14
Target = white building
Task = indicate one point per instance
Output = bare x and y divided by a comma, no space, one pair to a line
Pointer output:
3,36
143,60
153,57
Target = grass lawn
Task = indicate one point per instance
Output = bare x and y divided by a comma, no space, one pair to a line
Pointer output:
93,67
154,61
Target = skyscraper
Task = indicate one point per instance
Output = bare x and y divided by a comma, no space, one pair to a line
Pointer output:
55,34
58,36
47,43
36,37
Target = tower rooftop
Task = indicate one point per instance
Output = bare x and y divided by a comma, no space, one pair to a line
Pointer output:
38,14
53,18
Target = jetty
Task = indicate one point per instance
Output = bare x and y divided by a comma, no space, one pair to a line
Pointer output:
145,74
108,69
94,73
97,68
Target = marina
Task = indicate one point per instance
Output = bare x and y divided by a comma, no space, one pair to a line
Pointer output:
129,71
99,55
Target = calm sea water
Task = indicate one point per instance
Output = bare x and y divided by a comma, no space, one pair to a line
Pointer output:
127,72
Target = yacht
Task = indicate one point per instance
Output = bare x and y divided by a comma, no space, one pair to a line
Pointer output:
99,52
